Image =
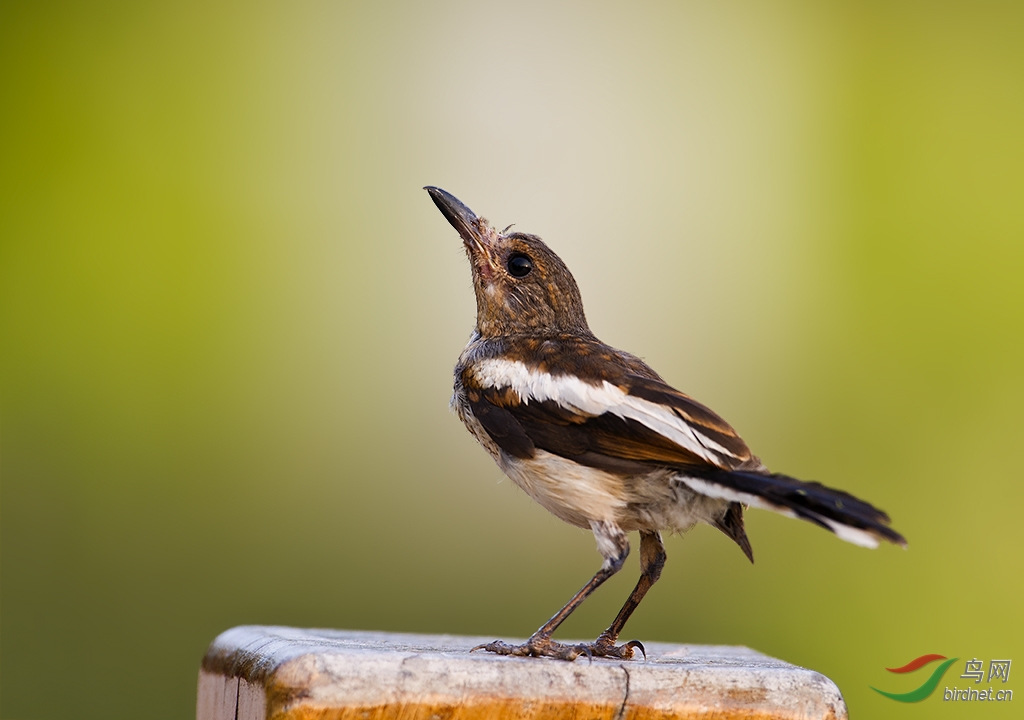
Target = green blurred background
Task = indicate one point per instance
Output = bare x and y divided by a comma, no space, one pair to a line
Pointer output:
229,313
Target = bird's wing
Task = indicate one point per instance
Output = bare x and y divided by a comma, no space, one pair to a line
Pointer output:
635,419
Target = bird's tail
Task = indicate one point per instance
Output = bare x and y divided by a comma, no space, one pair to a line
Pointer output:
851,519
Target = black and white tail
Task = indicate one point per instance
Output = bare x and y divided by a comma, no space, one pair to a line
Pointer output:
849,518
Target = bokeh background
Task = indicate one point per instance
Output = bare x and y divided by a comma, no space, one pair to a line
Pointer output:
229,313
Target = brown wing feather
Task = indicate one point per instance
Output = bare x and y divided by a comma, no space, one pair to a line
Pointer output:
606,441
571,434
702,418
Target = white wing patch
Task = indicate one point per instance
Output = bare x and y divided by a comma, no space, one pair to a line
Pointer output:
583,397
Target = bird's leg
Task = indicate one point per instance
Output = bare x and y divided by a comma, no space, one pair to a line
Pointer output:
613,544
652,560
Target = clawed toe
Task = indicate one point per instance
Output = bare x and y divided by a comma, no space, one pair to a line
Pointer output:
637,645
546,647
535,647
626,651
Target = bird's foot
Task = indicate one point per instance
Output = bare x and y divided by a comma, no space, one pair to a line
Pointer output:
546,647
626,651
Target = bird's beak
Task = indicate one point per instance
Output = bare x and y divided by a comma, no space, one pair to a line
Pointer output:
474,230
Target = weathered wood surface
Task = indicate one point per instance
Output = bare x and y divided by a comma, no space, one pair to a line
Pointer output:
279,673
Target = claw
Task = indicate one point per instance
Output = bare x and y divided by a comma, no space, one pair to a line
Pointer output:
636,644
499,648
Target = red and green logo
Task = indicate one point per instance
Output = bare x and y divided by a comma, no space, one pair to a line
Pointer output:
929,685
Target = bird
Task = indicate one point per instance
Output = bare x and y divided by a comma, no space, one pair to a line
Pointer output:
599,439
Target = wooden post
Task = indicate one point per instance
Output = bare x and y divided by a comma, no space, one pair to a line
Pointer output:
279,673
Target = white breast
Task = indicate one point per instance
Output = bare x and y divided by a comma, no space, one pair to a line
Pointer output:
572,492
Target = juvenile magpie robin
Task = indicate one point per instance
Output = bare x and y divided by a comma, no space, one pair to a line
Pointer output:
598,438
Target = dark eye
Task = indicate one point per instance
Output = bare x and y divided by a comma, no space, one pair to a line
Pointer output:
519,266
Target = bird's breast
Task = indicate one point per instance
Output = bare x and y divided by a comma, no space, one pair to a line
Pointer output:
571,492
463,409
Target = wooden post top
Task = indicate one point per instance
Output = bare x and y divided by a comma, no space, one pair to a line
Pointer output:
280,673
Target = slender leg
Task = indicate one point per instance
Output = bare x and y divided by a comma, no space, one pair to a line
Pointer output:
613,544
652,560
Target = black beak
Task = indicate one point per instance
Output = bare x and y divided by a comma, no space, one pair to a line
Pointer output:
461,217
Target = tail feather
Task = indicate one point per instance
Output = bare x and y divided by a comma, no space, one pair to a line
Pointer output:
850,518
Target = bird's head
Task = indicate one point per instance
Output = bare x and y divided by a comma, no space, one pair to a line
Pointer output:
521,286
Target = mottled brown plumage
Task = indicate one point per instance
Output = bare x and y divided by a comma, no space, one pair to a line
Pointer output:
597,437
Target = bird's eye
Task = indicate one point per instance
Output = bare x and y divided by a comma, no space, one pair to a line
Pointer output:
519,266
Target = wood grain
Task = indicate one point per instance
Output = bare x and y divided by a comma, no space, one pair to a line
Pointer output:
278,673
